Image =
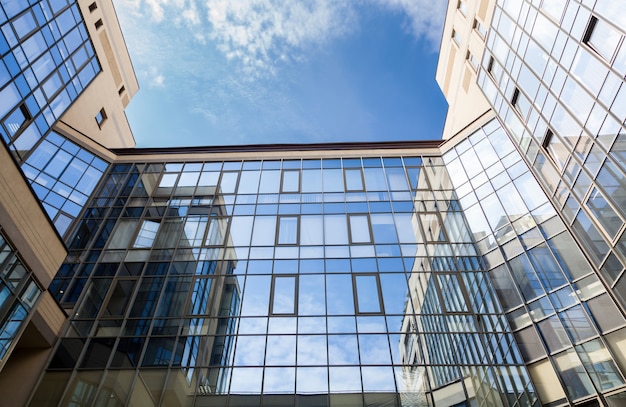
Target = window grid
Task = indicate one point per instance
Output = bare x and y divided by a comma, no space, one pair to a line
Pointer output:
331,309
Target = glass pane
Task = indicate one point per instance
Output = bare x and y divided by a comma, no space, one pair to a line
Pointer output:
368,299
360,229
146,234
354,180
284,295
333,180
291,181
287,230
335,229
311,295
312,230
573,375
270,181
599,364
264,231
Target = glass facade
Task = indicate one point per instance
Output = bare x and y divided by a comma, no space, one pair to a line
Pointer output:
46,61
554,73
335,281
63,176
491,274
19,293
557,307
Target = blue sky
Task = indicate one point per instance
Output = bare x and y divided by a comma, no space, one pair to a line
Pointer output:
216,72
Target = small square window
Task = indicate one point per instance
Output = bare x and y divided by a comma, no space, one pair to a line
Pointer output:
462,6
98,23
121,90
93,7
480,29
456,37
101,117
472,60
547,138
515,97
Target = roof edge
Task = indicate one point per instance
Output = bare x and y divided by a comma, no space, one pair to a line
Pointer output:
247,148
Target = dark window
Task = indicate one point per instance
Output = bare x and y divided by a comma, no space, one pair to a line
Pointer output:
121,91
515,97
547,138
92,7
456,37
462,7
98,23
480,29
101,117
490,64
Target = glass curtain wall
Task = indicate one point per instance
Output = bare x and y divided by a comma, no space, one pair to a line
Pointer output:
565,321
19,293
554,73
46,61
316,282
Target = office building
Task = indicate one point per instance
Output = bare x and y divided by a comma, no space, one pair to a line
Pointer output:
483,268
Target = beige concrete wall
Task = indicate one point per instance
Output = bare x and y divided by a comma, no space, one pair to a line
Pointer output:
455,74
26,224
113,88
28,360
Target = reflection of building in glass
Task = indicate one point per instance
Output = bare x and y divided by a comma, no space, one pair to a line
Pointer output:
485,269
447,344
161,295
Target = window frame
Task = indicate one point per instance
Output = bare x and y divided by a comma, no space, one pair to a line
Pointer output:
345,179
369,227
297,235
282,181
101,118
589,42
462,7
471,59
272,298
456,38
355,294
479,28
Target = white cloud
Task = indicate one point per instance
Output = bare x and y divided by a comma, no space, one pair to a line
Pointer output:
425,17
154,77
262,34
